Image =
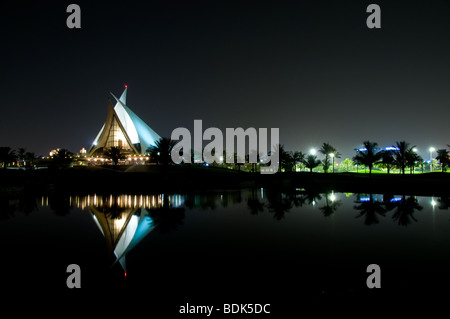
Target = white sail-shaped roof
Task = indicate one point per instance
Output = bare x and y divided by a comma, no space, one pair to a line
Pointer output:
134,129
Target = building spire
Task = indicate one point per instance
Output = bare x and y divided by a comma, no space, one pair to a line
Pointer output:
123,97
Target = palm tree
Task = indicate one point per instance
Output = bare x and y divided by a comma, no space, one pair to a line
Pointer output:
284,157
369,156
63,157
115,154
297,158
387,160
21,155
327,150
347,162
402,152
412,159
160,152
443,158
311,162
29,158
7,155
252,156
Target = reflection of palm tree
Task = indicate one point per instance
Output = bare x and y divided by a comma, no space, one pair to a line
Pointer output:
330,208
278,204
389,203
60,204
203,201
7,209
370,210
312,197
253,203
28,203
405,210
113,211
444,202
297,199
167,218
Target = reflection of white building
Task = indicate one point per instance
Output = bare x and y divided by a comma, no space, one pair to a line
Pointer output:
123,129
123,231
124,219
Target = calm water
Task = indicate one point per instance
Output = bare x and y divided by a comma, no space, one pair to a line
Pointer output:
291,250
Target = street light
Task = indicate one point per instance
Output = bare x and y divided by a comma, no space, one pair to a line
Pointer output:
432,149
312,151
332,156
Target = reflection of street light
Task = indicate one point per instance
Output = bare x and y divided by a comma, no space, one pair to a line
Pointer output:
332,156
433,202
432,149
332,197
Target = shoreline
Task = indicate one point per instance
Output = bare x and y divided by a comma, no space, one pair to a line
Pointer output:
192,178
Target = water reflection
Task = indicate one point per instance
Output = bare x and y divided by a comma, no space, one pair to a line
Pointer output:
404,212
254,203
371,208
331,205
125,220
23,202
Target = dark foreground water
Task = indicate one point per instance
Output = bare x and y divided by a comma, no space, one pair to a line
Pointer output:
153,254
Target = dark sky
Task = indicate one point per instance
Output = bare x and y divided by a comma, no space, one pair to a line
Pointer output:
311,68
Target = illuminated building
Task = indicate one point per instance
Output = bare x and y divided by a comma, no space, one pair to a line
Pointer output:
123,129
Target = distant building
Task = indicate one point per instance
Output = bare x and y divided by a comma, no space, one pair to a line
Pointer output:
123,129
53,152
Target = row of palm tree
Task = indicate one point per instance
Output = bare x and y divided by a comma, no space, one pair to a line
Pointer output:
289,160
402,156
9,156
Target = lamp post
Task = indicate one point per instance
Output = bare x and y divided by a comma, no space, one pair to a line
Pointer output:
332,156
432,149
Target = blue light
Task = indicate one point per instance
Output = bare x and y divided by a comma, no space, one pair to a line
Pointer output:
396,199
389,148
364,199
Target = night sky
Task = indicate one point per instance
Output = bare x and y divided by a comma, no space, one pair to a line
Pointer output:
311,68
